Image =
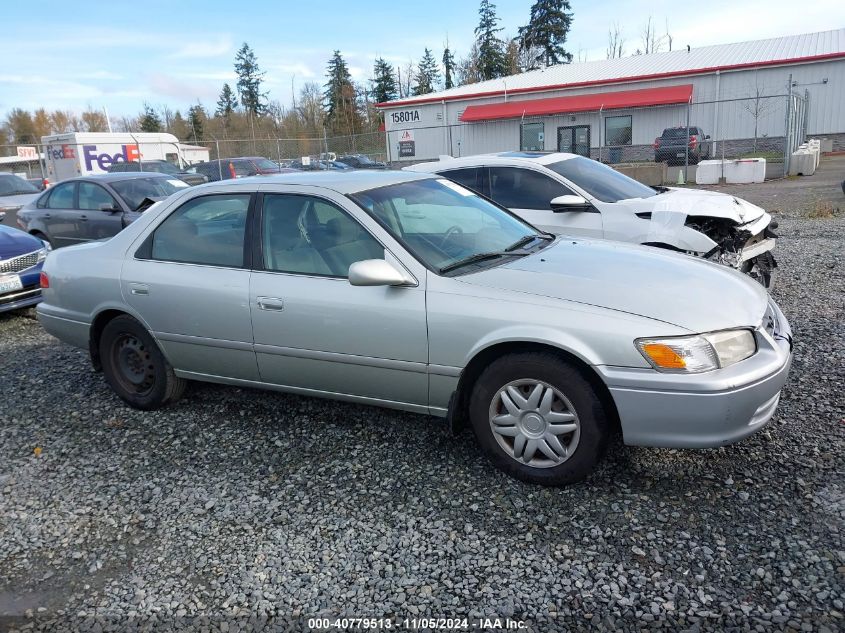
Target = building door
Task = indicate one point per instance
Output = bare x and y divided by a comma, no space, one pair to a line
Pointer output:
574,139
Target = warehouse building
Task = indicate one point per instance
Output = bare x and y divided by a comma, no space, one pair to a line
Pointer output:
760,97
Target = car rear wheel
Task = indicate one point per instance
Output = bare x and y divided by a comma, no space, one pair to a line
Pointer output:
43,238
539,419
135,368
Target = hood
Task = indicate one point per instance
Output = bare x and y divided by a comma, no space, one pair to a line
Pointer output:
697,202
649,282
14,242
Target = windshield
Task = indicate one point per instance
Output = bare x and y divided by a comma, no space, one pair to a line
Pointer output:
600,181
163,167
11,185
442,223
266,165
135,190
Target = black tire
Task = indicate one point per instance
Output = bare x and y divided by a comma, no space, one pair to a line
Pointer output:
135,368
549,368
761,269
41,236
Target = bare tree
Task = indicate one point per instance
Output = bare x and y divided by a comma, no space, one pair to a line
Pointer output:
648,35
668,35
615,41
758,105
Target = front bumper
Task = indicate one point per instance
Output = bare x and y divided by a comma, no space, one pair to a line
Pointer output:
20,299
704,410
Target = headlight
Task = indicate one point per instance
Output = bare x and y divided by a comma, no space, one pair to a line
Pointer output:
698,353
42,254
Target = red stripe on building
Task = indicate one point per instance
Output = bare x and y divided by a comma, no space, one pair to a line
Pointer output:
669,95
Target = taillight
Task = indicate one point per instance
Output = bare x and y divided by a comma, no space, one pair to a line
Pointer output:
693,141
44,280
656,143
232,171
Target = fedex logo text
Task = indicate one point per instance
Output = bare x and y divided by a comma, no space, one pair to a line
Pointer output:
128,153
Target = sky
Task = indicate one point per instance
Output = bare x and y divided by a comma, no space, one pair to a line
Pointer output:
118,55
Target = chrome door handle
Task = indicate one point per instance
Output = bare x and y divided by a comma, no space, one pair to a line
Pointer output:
139,289
272,304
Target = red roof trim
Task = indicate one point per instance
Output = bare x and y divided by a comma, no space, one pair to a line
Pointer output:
615,80
665,95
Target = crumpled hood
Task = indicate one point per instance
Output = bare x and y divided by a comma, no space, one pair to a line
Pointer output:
670,287
697,202
14,242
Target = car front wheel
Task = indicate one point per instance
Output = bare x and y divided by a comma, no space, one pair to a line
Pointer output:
539,419
135,368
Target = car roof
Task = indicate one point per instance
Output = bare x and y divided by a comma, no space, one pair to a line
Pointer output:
498,158
118,175
341,181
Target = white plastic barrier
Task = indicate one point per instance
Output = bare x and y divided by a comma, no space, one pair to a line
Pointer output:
708,172
816,147
745,170
802,163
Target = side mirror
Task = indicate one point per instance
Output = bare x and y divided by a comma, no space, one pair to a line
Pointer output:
706,137
376,272
562,204
109,208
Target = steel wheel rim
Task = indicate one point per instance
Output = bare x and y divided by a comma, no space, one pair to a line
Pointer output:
534,423
133,364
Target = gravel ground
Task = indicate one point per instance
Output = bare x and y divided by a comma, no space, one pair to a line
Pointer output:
238,503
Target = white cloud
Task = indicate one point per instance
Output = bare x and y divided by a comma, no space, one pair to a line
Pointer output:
169,86
221,45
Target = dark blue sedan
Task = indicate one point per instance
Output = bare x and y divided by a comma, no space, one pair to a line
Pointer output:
21,258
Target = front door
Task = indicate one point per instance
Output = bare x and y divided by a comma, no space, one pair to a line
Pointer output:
574,139
314,332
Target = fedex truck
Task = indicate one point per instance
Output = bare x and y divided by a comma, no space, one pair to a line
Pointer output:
82,153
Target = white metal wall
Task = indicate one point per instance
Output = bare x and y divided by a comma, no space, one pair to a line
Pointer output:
731,118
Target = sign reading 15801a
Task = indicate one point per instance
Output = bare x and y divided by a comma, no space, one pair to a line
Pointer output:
405,116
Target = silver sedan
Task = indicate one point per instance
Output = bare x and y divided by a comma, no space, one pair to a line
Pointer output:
409,291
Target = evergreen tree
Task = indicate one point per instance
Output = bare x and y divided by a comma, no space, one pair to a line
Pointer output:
448,68
491,56
427,75
196,121
149,121
341,98
383,82
226,104
546,32
249,81
178,127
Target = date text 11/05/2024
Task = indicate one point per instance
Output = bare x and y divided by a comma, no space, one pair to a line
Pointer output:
421,623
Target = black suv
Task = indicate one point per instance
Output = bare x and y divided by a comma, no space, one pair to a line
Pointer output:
672,146
160,167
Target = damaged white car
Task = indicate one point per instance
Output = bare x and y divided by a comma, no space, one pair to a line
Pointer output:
573,195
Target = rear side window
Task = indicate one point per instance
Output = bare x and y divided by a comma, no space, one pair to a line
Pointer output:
208,230
469,178
62,196
94,197
516,188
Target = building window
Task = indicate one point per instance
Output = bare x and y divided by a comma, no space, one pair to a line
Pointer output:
532,137
617,130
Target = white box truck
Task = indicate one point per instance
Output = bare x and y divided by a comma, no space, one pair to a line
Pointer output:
81,153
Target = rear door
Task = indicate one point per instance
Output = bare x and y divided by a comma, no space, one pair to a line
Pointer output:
61,218
189,281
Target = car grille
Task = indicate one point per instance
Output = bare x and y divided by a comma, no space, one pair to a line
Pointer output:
19,263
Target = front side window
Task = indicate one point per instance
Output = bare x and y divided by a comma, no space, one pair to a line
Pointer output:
93,197
532,137
136,190
441,222
310,236
62,196
469,178
266,164
517,188
207,230
617,130
600,181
